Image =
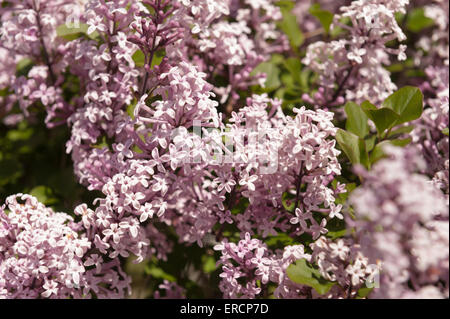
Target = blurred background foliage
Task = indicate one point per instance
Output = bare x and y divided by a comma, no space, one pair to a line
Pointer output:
33,160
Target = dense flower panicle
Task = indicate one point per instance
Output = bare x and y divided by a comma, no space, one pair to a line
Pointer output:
111,80
188,99
29,31
164,124
291,153
229,49
42,254
434,49
146,186
428,134
344,262
109,70
356,63
142,185
29,25
94,167
406,233
250,261
433,56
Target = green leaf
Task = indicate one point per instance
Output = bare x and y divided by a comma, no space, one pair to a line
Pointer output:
241,206
158,272
10,171
370,142
399,17
325,17
139,58
272,75
21,134
23,66
287,5
288,201
367,106
383,118
401,142
294,66
304,274
209,264
336,234
378,152
407,103
364,292
445,131
287,80
305,76
131,107
280,241
280,93
44,194
395,67
277,59
72,32
353,146
158,57
4,92
356,120
417,21
290,27
402,130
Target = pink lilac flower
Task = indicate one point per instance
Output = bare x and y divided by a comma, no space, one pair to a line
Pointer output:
405,233
353,68
44,254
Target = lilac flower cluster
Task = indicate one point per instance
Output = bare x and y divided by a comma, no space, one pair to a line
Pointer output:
28,31
250,265
229,38
295,156
252,261
43,254
407,234
165,125
433,57
344,262
353,68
